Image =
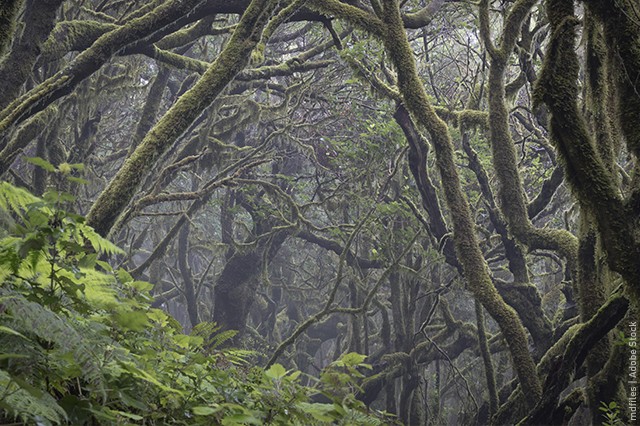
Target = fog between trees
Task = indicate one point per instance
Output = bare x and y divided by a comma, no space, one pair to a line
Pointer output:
450,188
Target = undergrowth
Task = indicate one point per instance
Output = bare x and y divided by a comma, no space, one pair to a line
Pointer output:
81,344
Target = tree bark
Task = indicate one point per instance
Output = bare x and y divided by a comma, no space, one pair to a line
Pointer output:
475,268
230,62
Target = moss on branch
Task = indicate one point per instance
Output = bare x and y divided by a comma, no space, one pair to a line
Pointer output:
70,36
590,178
8,14
474,266
229,63
92,59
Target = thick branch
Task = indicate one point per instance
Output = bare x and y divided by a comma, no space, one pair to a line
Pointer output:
91,60
189,106
563,368
474,266
16,67
589,177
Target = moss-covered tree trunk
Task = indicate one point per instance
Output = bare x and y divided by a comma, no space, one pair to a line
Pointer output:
8,13
593,182
39,19
619,20
231,60
512,198
475,268
90,60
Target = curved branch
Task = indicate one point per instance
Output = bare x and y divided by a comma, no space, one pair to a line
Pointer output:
563,368
92,59
469,254
189,106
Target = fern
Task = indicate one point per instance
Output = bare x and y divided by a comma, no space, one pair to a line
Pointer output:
213,337
99,244
98,288
354,417
218,339
66,335
16,199
77,336
27,402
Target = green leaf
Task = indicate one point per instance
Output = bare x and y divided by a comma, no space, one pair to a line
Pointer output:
204,410
131,320
276,371
8,330
98,243
293,376
182,340
124,276
317,410
352,359
77,180
142,286
241,419
146,376
130,415
77,166
13,356
42,163
104,265
159,316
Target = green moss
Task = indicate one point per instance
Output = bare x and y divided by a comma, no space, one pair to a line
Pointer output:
91,60
586,172
619,23
469,119
598,102
231,60
474,266
8,13
189,34
69,36
16,67
176,60
26,134
354,15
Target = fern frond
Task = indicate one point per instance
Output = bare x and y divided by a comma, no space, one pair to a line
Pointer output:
15,199
212,335
99,244
28,403
218,339
66,334
99,287
239,356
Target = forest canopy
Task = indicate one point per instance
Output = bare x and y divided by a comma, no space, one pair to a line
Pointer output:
319,212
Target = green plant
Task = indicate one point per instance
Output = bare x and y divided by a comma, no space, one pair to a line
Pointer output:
611,413
620,339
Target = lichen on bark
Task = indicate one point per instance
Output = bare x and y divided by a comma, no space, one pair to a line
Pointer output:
16,66
620,27
90,60
513,201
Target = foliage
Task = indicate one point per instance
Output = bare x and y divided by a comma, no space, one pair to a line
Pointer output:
611,413
81,344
